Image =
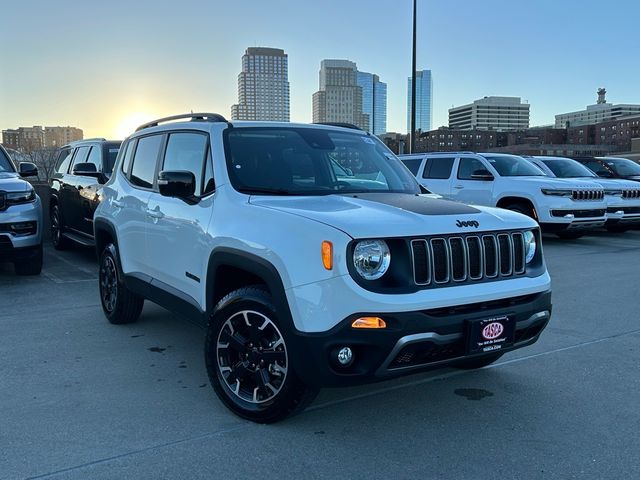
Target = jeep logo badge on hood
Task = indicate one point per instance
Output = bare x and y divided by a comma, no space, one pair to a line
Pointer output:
468,223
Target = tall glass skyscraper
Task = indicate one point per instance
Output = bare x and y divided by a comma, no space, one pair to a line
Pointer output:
424,104
374,101
263,86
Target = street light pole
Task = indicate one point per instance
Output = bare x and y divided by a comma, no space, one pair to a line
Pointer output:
412,144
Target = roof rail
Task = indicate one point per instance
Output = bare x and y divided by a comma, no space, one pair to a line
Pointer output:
339,124
95,139
194,117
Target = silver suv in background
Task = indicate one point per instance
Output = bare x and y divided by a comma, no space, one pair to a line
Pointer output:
20,217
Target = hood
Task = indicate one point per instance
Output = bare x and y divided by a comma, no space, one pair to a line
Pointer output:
11,182
385,215
554,182
619,183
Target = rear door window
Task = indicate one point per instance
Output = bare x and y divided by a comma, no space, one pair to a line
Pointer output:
439,168
64,159
145,160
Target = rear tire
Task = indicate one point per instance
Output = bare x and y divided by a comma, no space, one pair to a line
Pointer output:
31,266
617,229
248,362
60,242
119,304
475,363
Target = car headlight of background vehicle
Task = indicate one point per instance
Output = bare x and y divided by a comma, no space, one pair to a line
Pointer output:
16,198
529,246
371,258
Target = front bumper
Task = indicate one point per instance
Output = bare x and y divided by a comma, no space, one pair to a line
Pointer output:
413,341
561,214
16,246
623,215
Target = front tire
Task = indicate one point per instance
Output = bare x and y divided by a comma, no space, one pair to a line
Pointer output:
522,208
617,228
60,242
569,235
248,359
119,304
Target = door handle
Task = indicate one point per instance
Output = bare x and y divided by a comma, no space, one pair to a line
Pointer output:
458,187
117,204
155,214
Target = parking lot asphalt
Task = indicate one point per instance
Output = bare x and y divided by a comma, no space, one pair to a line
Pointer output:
80,398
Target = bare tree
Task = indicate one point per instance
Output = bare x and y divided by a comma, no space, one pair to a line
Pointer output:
45,160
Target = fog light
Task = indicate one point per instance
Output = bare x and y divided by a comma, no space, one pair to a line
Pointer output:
23,228
369,322
620,212
345,356
569,215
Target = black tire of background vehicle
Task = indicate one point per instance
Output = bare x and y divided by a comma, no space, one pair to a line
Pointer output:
475,363
522,208
293,396
617,228
60,242
127,306
569,235
31,266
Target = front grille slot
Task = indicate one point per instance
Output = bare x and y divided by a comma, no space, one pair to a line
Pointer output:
587,194
2,201
440,260
629,194
443,260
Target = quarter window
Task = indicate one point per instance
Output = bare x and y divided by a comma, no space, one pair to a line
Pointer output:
186,151
413,164
81,155
144,161
94,157
64,158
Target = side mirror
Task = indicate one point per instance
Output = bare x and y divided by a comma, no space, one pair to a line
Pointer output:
177,183
485,175
27,169
86,170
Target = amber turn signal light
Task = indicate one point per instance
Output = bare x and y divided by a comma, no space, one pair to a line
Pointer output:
327,254
369,322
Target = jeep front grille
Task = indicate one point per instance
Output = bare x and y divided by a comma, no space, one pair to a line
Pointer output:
2,201
440,261
587,194
631,194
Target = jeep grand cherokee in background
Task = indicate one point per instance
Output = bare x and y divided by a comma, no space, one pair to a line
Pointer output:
307,274
622,196
81,168
20,217
565,207
612,167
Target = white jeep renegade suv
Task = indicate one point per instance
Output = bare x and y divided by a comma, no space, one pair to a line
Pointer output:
313,257
566,207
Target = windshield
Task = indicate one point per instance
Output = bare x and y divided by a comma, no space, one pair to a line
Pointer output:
566,168
5,163
623,166
513,166
312,161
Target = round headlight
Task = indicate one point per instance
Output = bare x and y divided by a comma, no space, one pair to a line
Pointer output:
371,258
529,245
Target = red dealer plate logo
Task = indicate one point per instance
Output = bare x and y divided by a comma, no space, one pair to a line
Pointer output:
493,330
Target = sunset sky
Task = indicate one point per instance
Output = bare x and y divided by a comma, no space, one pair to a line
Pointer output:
108,66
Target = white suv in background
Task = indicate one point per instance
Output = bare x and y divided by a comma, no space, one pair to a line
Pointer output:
565,207
622,196
313,258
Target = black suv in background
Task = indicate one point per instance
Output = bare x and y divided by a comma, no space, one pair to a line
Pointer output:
612,167
81,168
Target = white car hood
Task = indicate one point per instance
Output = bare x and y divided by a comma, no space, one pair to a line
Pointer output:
386,215
559,183
11,182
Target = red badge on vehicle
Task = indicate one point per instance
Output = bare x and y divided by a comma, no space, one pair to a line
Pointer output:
493,330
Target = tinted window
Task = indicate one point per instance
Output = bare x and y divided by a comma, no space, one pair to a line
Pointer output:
623,166
597,168
568,168
186,151
300,161
94,157
128,154
469,167
513,166
81,155
5,163
413,164
110,153
440,168
144,162
64,158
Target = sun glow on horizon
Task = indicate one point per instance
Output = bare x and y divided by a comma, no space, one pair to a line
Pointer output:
128,124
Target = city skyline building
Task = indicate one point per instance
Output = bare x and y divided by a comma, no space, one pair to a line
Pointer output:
339,97
491,113
374,101
263,86
28,139
424,101
601,111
